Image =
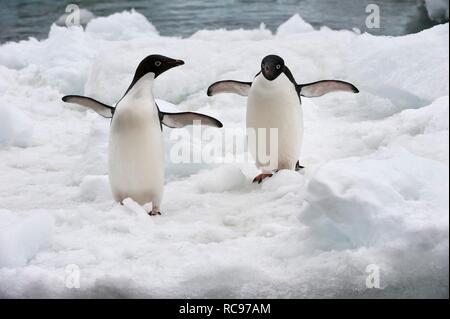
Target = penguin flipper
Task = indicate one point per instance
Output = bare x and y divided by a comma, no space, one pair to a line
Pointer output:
229,86
177,120
320,88
102,109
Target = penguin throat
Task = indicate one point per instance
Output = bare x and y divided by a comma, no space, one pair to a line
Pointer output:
143,86
268,83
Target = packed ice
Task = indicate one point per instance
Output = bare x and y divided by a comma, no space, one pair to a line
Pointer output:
374,190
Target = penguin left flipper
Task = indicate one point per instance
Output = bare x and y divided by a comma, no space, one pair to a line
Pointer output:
229,86
320,88
99,107
177,120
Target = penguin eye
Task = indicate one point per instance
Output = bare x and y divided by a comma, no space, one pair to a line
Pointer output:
278,66
158,63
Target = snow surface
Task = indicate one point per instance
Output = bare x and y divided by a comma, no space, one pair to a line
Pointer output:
374,191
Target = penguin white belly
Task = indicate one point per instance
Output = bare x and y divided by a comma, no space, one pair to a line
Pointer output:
275,104
136,149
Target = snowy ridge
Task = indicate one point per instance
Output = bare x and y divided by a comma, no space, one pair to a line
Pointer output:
375,188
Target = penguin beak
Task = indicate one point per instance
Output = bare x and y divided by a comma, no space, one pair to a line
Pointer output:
175,63
268,73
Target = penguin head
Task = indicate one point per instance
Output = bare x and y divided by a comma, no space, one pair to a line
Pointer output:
156,64
272,66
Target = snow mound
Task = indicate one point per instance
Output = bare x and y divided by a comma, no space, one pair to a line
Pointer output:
122,26
295,24
221,179
21,238
95,188
348,201
368,63
16,128
136,209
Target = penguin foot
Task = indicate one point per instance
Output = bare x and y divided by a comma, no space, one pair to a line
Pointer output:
152,213
298,167
258,179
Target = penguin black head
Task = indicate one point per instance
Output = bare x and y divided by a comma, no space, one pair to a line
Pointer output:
272,66
156,64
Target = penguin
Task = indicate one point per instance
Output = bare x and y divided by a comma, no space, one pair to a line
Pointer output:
274,101
136,148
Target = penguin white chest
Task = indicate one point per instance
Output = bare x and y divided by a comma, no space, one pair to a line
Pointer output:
136,149
274,105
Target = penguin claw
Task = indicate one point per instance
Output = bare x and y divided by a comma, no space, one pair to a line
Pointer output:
258,179
152,213
298,167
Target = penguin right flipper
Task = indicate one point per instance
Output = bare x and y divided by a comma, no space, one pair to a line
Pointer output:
229,86
178,120
320,88
102,109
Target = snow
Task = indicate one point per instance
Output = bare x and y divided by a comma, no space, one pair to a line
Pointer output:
94,187
15,127
374,191
22,236
121,26
294,25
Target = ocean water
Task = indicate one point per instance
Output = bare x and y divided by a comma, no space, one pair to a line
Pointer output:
22,19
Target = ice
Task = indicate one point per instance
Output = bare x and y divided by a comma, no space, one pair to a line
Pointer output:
21,237
16,128
374,189
121,27
221,179
95,187
294,25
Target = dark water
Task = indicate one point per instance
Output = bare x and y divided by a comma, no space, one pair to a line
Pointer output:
21,19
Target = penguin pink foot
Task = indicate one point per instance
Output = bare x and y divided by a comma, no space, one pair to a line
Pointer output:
258,179
155,211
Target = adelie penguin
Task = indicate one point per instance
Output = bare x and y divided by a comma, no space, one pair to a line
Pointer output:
274,101
136,148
